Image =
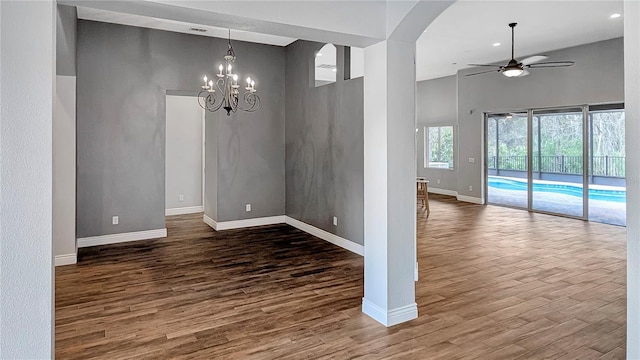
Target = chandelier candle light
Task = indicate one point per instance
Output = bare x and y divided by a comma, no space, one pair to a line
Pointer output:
229,90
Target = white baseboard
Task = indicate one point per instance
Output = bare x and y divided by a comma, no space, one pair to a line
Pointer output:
327,236
65,259
459,197
183,210
244,223
122,237
209,221
470,199
443,191
389,317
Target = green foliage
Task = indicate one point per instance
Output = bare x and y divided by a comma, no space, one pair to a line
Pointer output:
557,142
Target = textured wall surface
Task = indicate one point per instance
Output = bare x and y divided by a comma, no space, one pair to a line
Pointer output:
324,146
437,105
27,73
123,74
66,37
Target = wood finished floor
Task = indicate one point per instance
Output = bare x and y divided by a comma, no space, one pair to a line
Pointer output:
495,283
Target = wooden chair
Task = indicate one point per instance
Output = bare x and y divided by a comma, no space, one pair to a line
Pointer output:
423,193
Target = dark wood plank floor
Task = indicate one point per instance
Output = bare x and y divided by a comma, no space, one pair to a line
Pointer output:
495,283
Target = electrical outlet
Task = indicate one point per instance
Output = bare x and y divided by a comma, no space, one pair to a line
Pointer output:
472,160
248,207
115,220
470,188
181,197
335,221
438,181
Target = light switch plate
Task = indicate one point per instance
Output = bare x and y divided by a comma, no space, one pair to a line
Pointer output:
472,160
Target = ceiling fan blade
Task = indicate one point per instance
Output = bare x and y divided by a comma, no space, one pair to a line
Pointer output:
533,59
550,64
495,66
483,72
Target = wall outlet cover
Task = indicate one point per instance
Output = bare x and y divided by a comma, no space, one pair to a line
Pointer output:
248,207
115,220
470,188
181,198
335,221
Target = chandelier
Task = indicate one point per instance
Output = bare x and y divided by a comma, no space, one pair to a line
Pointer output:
227,94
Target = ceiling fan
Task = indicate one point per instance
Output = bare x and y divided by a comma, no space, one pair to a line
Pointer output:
515,68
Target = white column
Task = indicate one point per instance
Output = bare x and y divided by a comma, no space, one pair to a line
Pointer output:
632,120
389,185
27,68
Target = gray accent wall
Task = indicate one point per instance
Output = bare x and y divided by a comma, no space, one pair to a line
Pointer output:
324,146
437,104
123,74
596,78
66,35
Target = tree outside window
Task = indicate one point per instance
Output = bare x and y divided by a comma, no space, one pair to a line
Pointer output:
439,147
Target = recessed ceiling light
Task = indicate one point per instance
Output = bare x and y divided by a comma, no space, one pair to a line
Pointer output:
319,54
614,16
496,44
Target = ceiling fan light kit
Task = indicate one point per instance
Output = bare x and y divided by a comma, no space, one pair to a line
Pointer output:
515,68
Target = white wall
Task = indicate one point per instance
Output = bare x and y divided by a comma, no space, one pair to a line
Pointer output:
183,155
64,171
632,124
27,70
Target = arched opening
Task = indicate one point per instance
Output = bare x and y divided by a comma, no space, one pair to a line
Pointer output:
325,65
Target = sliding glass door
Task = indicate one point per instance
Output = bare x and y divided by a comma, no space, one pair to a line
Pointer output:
565,161
558,161
607,183
507,159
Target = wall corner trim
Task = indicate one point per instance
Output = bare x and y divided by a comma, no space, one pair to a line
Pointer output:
183,210
327,236
390,317
66,259
470,199
121,237
209,221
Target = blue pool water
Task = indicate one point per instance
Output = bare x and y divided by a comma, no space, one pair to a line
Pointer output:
574,190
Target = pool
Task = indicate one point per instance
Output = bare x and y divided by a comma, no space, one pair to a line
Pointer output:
559,188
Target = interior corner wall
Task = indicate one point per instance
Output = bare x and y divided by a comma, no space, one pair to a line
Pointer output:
324,146
64,136
123,74
596,78
437,105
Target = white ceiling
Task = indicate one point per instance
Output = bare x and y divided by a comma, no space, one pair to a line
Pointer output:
466,31
178,26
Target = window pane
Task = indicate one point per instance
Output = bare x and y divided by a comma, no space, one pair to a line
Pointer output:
440,147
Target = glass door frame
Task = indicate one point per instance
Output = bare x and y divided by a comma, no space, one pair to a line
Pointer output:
585,158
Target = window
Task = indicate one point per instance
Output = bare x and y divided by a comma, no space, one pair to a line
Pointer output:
325,65
438,150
